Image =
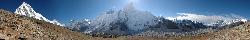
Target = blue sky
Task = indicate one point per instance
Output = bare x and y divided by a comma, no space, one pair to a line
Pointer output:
65,10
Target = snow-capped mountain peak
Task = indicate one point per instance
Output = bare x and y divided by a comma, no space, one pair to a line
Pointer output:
26,10
124,20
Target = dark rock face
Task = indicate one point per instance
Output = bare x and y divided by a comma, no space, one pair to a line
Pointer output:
188,25
177,25
80,26
119,26
165,23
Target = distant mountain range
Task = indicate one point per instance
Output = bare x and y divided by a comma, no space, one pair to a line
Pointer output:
130,21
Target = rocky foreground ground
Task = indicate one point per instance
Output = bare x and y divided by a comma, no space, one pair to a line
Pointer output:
16,27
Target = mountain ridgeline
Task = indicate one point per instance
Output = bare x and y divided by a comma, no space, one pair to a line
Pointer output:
130,21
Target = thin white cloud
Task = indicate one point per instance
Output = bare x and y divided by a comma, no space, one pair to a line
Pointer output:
207,20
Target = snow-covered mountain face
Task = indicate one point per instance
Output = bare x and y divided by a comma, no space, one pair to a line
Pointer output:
129,17
137,20
125,21
26,10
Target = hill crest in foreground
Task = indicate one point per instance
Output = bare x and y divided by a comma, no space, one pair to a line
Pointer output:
14,26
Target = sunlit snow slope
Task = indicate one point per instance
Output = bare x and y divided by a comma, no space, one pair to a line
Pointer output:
26,10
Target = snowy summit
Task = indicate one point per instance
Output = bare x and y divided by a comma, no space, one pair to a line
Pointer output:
26,10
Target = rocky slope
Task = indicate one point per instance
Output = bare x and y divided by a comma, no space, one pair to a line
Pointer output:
14,27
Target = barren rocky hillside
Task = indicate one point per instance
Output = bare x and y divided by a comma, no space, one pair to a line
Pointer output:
14,27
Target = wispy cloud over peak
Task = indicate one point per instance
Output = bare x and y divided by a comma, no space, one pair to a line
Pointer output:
208,20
